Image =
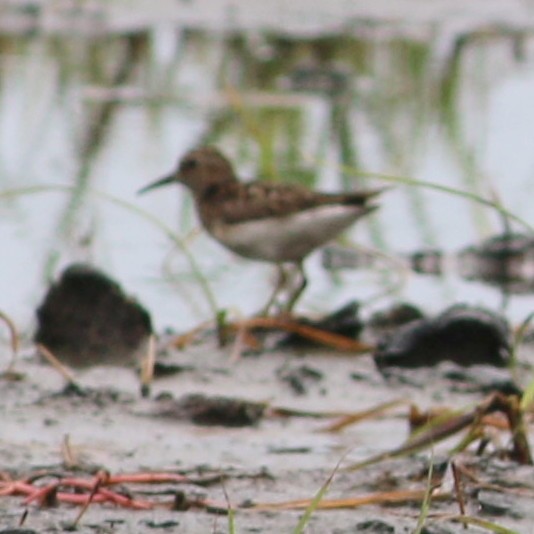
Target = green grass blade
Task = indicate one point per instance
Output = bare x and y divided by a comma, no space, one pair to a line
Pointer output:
425,505
304,520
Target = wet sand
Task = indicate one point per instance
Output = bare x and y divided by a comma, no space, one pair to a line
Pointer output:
279,459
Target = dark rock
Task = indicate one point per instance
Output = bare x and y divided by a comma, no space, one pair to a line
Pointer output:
298,378
464,335
86,319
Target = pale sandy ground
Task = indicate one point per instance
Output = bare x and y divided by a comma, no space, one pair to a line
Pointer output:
120,436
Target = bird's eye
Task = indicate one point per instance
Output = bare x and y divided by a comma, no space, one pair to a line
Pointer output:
188,165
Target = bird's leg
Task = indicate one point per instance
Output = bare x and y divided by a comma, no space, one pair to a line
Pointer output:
297,292
280,283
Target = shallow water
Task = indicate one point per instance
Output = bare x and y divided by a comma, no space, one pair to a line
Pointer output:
439,95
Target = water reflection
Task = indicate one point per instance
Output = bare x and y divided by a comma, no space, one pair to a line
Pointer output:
109,111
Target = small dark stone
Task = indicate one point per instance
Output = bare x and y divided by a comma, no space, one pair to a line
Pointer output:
181,502
298,378
162,369
74,390
374,526
464,335
86,319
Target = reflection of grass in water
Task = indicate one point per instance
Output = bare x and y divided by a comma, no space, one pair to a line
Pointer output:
276,131
451,114
98,122
399,111
401,107
168,232
405,102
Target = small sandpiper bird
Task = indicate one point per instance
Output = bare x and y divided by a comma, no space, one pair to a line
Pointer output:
273,222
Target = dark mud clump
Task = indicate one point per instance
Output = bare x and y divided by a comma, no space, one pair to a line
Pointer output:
209,411
461,334
86,319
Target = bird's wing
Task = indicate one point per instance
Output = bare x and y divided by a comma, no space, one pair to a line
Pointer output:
262,199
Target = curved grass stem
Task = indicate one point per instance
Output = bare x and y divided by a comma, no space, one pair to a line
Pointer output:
467,195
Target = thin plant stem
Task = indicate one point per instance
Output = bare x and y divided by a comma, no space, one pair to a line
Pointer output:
468,195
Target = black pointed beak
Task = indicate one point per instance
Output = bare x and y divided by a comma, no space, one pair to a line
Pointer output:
158,183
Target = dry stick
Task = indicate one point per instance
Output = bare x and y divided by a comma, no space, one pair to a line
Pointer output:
448,428
386,497
282,411
239,343
57,365
66,451
147,367
493,403
150,478
459,489
100,478
337,341
184,340
353,418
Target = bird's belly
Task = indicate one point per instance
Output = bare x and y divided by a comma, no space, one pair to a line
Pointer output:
289,238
